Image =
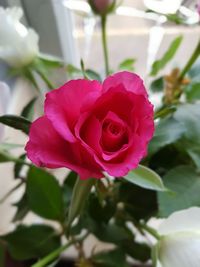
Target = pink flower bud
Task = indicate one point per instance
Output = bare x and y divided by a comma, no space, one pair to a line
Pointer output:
198,7
102,7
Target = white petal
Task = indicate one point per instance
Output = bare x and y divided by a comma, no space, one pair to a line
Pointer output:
4,98
180,250
18,45
181,221
163,6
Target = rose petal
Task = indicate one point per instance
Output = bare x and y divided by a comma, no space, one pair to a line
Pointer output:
46,148
130,81
126,160
63,106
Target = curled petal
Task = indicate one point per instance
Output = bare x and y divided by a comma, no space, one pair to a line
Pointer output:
63,106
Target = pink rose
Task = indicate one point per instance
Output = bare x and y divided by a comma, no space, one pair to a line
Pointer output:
91,127
101,6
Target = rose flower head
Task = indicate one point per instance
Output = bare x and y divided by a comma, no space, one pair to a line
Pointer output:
102,7
91,127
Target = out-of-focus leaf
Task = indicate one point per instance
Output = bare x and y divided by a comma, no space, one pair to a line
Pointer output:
28,110
68,186
193,92
93,75
169,54
138,251
146,178
112,258
22,209
2,255
168,131
189,116
80,193
127,64
184,181
18,166
44,194
28,242
135,204
16,122
51,61
157,85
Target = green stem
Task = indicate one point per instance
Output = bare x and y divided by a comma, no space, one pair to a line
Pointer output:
10,192
191,61
104,43
52,256
56,253
45,79
150,230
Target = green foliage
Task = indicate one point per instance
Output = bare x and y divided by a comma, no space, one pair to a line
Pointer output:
146,178
2,255
80,193
28,110
22,209
16,122
112,258
44,195
76,72
29,242
18,166
184,181
168,131
193,91
127,64
135,205
157,85
169,54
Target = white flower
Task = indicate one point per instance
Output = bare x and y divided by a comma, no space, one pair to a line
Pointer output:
4,98
180,240
163,6
18,45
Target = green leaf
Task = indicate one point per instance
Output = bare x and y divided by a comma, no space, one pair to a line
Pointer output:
146,178
188,115
5,156
193,92
135,204
28,110
28,242
138,251
16,122
157,85
168,131
68,186
169,54
18,166
184,181
112,258
127,64
2,255
22,209
44,194
51,61
80,193
93,75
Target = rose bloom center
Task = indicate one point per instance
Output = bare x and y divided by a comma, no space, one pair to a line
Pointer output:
114,136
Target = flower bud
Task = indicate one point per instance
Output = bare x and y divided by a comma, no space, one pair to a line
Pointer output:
102,7
18,44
